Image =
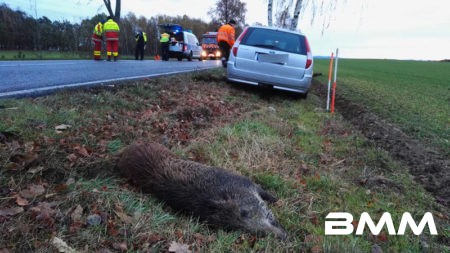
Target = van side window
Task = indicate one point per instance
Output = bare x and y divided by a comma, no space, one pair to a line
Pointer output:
191,39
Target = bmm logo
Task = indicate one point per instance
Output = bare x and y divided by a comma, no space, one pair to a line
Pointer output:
342,224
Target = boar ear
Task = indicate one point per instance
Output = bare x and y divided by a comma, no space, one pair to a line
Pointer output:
266,196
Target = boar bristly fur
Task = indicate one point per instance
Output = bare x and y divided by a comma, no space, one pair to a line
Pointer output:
219,197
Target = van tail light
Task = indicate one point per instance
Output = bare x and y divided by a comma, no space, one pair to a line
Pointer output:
185,48
235,49
309,58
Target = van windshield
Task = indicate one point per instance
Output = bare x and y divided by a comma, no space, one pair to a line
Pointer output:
277,40
209,40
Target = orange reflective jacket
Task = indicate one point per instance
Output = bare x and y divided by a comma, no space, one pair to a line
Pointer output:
226,33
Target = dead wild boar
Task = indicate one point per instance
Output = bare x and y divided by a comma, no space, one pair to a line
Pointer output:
216,196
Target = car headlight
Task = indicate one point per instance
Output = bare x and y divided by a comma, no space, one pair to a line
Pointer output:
203,53
218,53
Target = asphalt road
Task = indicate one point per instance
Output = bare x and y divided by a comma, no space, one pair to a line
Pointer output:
25,78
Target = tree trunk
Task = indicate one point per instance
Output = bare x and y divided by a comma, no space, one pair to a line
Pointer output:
227,19
294,21
269,12
108,7
116,15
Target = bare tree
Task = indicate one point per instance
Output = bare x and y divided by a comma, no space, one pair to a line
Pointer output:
229,9
116,14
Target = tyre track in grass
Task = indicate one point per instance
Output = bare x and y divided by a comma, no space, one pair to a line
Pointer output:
428,166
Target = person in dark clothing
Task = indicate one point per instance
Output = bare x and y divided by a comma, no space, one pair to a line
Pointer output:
141,40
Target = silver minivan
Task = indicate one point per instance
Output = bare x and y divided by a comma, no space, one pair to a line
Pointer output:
273,57
184,44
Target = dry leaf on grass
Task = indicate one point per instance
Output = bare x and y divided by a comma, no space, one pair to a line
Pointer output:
10,211
120,246
21,201
24,159
36,170
61,128
44,213
72,157
77,213
124,217
316,249
32,191
13,166
179,248
81,150
62,246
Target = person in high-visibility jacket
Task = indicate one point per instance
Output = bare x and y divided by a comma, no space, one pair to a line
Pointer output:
225,40
111,30
97,40
141,41
164,41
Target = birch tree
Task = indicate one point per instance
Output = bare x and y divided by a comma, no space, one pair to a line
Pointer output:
288,12
269,12
294,20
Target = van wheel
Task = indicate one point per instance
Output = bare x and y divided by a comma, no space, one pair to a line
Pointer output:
180,58
190,56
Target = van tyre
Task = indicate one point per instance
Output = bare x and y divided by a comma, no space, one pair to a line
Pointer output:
190,56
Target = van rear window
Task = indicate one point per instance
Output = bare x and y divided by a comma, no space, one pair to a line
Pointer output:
276,40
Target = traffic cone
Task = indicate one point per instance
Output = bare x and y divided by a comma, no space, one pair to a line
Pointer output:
157,58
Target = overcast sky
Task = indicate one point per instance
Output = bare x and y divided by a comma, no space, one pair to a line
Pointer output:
392,29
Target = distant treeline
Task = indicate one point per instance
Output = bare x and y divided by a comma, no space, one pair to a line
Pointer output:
19,31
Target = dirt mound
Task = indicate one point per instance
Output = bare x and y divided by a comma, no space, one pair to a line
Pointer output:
428,166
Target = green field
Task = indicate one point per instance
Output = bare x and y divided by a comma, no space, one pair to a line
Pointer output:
414,95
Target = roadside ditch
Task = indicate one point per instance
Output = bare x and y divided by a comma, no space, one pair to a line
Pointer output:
428,166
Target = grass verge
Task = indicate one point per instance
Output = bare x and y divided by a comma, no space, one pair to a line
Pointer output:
58,181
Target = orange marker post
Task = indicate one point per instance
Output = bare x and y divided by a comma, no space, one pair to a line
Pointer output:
334,82
329,81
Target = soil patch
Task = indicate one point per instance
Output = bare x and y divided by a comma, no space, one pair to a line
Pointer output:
429,167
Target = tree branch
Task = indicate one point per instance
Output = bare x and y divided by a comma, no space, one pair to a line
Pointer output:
108,7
